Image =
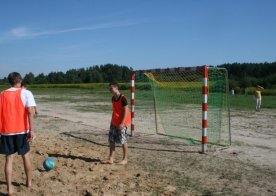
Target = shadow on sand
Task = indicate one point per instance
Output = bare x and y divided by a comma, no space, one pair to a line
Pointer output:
152,144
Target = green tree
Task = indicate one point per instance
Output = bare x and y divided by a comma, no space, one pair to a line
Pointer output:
72,76
41,79
29,77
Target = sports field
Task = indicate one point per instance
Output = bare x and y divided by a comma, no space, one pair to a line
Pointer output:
72,127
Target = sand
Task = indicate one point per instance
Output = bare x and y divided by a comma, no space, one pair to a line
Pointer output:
157,165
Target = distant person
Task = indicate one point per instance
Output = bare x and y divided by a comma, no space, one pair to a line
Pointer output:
24,85
232,92
119,122
16,127
258,97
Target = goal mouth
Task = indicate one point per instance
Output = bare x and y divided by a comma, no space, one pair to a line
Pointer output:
184,103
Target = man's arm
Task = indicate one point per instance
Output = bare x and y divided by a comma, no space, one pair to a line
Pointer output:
31,113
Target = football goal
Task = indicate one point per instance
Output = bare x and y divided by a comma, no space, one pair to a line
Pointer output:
189,103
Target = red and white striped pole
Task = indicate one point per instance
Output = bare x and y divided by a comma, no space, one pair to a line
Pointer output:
132,79
204,108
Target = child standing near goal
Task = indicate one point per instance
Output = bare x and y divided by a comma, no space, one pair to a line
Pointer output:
258,97
118,127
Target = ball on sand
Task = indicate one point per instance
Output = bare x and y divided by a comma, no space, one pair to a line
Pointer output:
49,164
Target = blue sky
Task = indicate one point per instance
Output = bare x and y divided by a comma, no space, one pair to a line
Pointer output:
41,36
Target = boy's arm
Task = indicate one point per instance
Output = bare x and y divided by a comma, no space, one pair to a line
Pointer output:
111,120
121,126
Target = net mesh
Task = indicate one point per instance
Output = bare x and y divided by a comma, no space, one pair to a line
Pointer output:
170,102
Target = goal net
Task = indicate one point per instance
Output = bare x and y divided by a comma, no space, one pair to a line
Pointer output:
169,102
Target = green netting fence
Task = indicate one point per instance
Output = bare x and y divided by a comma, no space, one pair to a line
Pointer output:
169,102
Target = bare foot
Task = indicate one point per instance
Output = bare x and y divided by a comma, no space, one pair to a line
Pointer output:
28,184
10,192
123,162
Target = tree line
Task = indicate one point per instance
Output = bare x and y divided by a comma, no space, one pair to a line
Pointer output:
244,75
241,75
93,74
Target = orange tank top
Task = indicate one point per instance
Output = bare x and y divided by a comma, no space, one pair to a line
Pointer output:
13,114
118,113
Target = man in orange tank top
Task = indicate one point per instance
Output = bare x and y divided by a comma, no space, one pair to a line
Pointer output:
118,127
16,126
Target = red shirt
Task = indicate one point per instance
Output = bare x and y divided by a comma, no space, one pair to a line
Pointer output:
118,111
13,114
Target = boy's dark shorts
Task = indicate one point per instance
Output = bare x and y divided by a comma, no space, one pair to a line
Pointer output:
10,144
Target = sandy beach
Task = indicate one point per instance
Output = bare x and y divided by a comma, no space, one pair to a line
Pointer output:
157,165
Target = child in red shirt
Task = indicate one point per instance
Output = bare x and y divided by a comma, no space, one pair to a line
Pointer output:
119,122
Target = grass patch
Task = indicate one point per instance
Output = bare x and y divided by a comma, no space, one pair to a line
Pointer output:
248,102
93,92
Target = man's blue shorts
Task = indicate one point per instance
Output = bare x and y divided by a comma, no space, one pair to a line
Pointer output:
10,144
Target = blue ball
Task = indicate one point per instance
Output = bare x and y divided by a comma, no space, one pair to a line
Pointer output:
49,164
